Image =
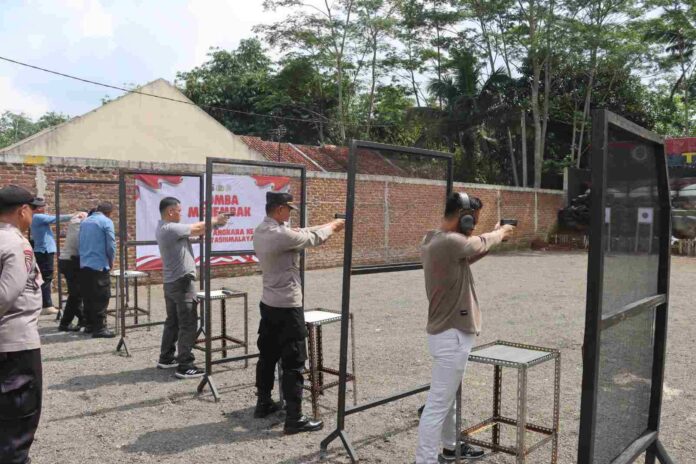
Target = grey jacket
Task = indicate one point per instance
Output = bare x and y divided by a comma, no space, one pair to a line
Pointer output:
278,250
20,292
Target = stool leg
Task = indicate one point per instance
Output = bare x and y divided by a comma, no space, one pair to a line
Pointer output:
313,380
521,415
352,359
556,408
320,361
223,322
135,299
246,329
497,401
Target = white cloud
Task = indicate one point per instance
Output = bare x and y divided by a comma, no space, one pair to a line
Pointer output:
95,20
18,101
224,23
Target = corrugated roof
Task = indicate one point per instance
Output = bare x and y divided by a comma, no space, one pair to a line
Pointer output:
273,151
330,158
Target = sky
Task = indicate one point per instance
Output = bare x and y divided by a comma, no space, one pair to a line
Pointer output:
112,41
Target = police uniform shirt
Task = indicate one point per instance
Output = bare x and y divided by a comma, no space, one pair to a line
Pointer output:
20,292
278,248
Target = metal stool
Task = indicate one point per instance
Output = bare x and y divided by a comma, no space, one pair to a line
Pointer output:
521,357
205,344
314,320
135,310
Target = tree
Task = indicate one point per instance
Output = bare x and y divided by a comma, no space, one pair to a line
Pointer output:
235,81
674,31
322,32
18,126
534,32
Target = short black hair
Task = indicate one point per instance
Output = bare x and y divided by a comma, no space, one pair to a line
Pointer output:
5,209
167,202
271,207
455,204
105,207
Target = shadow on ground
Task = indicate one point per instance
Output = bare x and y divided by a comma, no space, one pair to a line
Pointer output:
92,382
230,430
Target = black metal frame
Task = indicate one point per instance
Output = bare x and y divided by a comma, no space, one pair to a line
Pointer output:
125,243
57,185
209,253
595,322
349,270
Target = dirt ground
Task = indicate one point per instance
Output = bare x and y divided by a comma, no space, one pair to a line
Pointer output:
106,408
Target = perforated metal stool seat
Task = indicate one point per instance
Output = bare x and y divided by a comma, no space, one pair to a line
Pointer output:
227,342
521,357
314,320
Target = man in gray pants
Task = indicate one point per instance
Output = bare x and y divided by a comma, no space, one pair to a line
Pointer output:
179,272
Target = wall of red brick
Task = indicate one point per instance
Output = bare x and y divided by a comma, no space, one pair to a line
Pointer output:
391,214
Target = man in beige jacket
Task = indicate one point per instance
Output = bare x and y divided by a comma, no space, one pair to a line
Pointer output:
454,319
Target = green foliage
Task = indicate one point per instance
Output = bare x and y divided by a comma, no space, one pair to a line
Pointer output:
15,127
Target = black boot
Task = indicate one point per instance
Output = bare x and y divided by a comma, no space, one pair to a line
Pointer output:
302,424
265,408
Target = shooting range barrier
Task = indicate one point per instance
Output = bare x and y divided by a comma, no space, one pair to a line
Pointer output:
390,256
627,295
124,275
264,172
83,202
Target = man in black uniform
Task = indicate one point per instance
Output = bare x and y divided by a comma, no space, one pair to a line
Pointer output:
20,347
282,330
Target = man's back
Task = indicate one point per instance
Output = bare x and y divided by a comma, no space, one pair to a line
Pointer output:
449,283
278,249
176,250
97,242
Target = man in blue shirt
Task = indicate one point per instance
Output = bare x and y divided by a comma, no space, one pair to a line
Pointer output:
97,249
45,250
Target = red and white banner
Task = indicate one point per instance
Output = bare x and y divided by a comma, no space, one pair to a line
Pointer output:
243,197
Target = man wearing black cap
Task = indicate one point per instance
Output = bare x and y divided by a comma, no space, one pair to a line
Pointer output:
20,347
282,330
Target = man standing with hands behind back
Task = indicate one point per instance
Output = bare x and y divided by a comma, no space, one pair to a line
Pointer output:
97,245
454,319
282,330
20,346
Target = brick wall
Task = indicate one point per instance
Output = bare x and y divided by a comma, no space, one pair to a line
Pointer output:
391,213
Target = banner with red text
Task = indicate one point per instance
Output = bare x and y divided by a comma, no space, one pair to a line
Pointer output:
242,197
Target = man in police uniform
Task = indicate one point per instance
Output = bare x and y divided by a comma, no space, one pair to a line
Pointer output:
20,305
282,330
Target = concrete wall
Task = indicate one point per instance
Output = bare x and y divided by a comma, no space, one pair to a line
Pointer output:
391,213
139,128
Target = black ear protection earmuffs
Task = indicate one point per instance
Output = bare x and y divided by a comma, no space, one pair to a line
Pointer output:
466,221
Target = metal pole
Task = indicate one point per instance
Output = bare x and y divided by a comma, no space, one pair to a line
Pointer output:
60,283
595,276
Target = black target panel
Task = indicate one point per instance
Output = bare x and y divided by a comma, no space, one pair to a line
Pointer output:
627,293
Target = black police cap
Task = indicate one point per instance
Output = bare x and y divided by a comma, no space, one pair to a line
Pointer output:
277,199
15,195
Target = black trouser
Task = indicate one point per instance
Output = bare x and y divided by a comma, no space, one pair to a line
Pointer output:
282,335
180,327
20,403
45,262
70,268
96,291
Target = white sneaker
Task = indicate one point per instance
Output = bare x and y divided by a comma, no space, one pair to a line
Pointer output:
49,310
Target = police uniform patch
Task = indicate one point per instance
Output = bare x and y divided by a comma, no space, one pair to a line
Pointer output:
28,259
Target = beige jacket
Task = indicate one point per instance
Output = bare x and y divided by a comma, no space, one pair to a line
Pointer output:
20,292
449,283
278,249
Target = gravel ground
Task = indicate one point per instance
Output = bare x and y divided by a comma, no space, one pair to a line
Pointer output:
102,407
